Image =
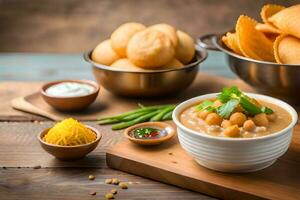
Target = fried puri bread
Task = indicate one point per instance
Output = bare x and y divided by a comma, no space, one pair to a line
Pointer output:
185,49
150,49
121,36
126,65
169,30
104,54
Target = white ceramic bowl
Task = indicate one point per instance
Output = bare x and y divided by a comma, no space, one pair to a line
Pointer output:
234,154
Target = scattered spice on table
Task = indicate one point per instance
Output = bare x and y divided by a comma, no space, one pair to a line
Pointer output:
115,181
108,181
109,196
114,191
123,185
37,167
91,177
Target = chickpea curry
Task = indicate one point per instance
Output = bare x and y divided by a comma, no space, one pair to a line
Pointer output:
234,114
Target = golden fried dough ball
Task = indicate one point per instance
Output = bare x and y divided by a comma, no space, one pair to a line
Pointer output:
150,49
170,31
121,36
173,64
185,49
126,65
104,54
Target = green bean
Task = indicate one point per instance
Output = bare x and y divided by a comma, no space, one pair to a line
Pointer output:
162,112
168,116
135,121
134,116
149,108
108,121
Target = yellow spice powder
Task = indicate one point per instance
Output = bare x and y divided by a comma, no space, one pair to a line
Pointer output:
69,132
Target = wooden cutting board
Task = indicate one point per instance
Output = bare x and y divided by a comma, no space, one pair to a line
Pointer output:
170,164
109,104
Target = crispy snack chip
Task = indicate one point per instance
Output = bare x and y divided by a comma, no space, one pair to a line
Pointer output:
288,20
253,43
287,49
267,28
268,10
230,40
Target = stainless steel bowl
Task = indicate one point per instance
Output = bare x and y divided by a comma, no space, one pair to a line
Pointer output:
279,80
146,83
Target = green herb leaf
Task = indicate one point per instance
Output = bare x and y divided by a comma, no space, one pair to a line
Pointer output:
226,109
204,105
249,107
229,93
267,110
141,132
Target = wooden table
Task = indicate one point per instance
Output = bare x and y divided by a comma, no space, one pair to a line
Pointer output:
20,152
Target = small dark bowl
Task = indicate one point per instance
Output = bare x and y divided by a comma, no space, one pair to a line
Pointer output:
70,103
69,152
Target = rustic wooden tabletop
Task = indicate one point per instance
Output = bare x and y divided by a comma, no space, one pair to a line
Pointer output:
20,153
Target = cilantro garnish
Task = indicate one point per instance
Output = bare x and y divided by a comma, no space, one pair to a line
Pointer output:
226,109
204,105
231,97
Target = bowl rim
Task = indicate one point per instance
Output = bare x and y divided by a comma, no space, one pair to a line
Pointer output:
84,81
162,125
216,40
179,108
43,132
200,55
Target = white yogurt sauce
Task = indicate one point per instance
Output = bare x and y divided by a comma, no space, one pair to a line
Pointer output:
70,89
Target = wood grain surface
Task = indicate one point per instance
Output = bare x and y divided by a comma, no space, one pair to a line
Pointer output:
20,153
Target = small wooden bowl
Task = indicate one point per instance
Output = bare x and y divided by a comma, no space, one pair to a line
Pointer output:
156,141
69,152
70,103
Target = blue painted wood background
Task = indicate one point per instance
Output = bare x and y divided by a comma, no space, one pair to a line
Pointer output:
46,67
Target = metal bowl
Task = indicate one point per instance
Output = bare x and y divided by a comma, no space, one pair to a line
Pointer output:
146,83
278,80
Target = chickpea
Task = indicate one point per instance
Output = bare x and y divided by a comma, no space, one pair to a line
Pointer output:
232,131
249,125
238,118
203,114
226,123
217,103
261,120
272,117
213,119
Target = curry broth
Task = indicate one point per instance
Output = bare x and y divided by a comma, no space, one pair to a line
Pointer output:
189,118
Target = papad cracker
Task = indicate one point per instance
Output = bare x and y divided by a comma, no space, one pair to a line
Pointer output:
231,42
253,43
287,49
288,20
267,28
268,10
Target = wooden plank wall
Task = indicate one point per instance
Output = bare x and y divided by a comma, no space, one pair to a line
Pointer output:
72,26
